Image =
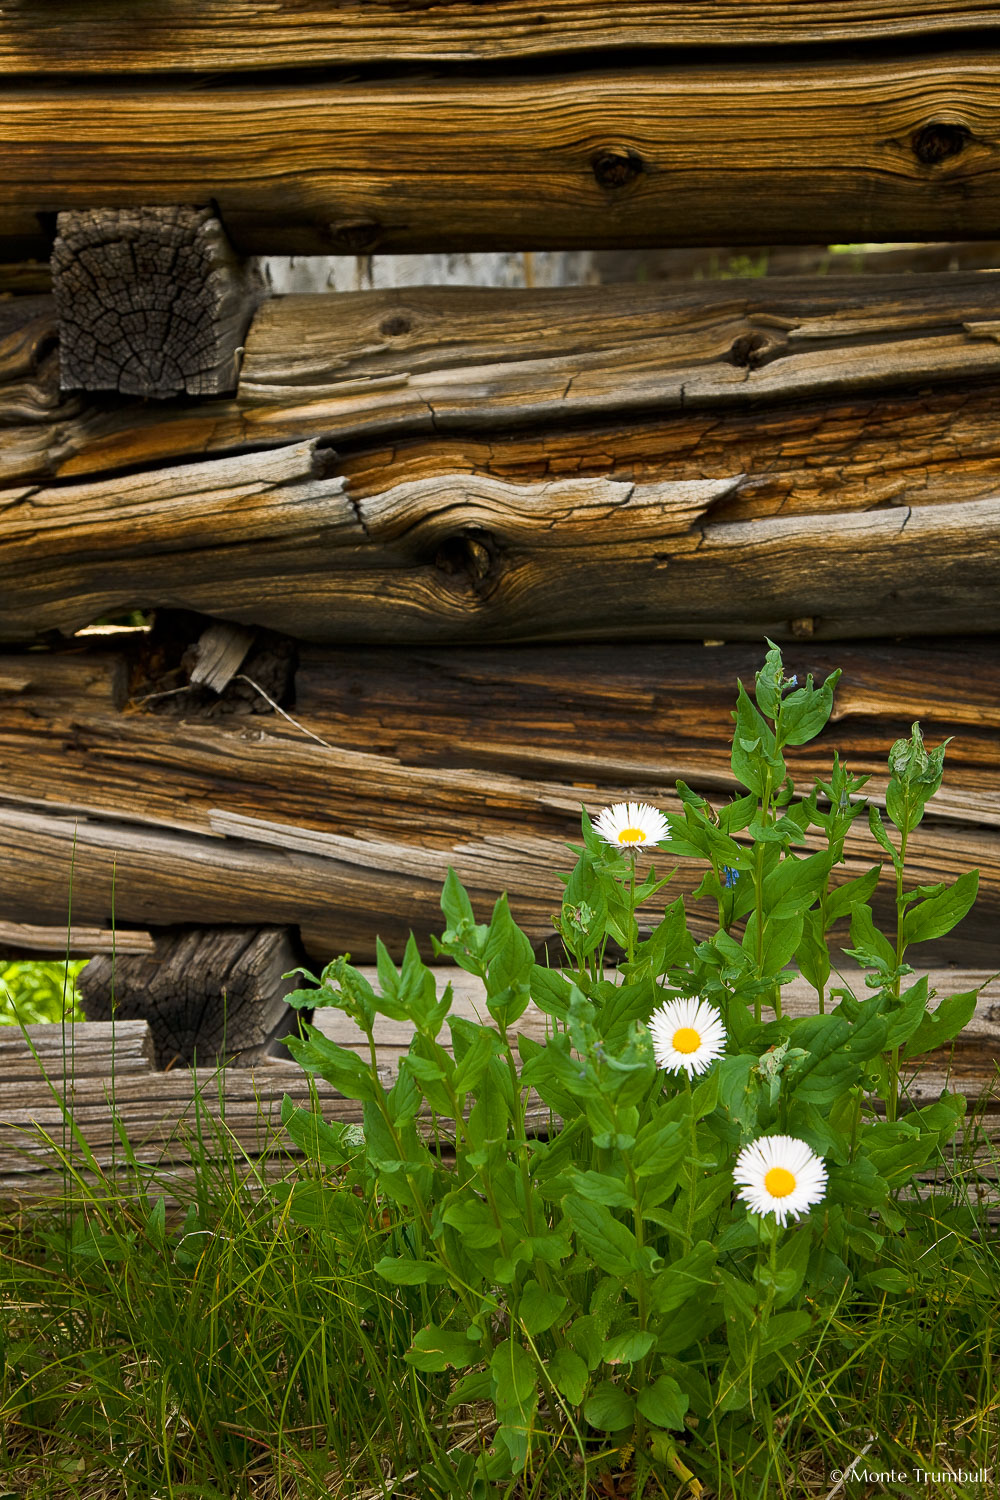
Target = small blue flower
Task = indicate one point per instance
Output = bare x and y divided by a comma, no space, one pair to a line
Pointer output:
730,876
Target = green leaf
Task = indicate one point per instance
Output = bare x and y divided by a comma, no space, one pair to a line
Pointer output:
472,1218
806,711
473,1047
812,955
939,914
586,1334
515,1393
602,1187
629,1347
852,893
943,1024
611,1245
795,884
754,752
663,1403
343,1070
537,1308
405,1272
609,1408
456,905
689,1279
332,1145
569,1375
436,1348
866,937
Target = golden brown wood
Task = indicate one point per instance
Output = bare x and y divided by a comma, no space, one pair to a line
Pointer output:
862,149
270,540
399,763
61,38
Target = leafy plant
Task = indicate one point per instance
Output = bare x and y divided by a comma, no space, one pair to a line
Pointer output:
605,1283
32,991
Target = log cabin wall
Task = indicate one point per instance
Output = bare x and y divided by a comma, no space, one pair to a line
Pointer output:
429,567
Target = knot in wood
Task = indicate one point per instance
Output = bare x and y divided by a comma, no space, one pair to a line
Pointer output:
355,236
468,554
938,140
615,167
749,351
394,326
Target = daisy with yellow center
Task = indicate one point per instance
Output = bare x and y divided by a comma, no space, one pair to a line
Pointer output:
688,1035
630,825
781,1175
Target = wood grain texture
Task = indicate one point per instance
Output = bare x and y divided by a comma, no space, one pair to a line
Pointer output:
479,760
794,373
208,995
152,302
275,540
841,149
235,34
78,1050
22,940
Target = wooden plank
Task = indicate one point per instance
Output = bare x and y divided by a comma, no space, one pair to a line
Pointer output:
861,148
74,1051
72,942
343,890
240,1108
397,764
234,34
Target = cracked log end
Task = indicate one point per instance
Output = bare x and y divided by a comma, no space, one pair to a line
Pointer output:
209,994
151,302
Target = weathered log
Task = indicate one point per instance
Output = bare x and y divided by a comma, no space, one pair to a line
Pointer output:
276,540
151,302
397,764
235,1113
64,1054
207,994
232,34
967,1065
795,374
862,148
23,940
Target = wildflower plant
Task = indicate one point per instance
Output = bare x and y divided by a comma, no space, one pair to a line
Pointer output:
634,1234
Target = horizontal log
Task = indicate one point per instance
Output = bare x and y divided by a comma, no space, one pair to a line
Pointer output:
344,821
794,374
76,1051
966,1066
24,939
446,537
844,148
276,540
239,1109
232,34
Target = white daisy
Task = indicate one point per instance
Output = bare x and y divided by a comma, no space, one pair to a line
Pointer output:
629,825
781,1175
686,1034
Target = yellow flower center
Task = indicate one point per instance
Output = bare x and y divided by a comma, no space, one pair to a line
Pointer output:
686,1039
632,836
779,1182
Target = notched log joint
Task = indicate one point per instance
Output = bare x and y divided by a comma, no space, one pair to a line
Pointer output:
152,302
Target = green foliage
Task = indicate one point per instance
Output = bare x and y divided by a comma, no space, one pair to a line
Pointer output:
607,1276
31,992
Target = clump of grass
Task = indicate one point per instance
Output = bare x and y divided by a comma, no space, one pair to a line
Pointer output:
33,991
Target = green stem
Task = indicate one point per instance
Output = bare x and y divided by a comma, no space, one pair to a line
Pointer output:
892,1102
630,932
689,1229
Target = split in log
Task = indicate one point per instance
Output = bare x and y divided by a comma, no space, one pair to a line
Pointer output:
234,34
205,994
799,475
746,151
398,764
151,302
